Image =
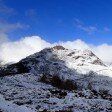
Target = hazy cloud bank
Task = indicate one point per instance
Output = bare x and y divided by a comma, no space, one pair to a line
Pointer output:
15,51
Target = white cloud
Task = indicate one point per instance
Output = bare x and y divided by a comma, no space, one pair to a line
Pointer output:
76,44
5,11
14,51
106,29
104,52
5,28
31,13
88,29
3,38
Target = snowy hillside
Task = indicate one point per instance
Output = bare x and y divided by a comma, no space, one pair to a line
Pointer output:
57,80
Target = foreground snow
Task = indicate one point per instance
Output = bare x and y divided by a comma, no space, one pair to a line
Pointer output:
24,93
9,106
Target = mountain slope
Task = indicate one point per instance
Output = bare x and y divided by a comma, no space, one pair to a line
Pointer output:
57,79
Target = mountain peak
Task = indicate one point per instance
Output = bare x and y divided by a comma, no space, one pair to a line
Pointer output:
59,47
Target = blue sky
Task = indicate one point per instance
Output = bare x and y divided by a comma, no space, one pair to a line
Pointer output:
54,20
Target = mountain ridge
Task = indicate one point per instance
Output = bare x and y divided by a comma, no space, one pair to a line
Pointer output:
80,60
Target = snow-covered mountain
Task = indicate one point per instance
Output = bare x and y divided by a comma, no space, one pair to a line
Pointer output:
82,61
57,79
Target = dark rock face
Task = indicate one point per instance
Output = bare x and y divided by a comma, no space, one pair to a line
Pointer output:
17,68
98,62
56,81
58,47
